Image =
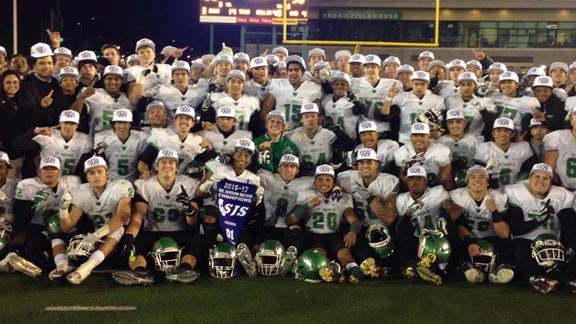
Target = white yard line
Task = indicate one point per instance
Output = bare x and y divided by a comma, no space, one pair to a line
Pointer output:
78,308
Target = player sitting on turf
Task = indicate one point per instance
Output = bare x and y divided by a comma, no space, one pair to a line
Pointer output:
106,204
164,213
322,210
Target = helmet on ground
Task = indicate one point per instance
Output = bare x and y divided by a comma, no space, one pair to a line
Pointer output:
222,261
434,242
309,264
487,258
547,250
166,254
270,257
380,241
5,234
78,250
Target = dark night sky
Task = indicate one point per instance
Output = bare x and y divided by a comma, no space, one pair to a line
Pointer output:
120,21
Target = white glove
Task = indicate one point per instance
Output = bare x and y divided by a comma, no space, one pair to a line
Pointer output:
325,74
414,207
90,239
259,195
206,186
492,164
65,201
226,50
3,196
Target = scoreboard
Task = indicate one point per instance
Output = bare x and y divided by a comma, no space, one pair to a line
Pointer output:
263,12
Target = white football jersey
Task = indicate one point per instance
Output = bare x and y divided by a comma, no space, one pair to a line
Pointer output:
313,151
510,161
515,108
7,205
436,156
519,196
245,106
187,150
383,186
252,88
101,209
341,114
164,214
122,158
471,110
154,79
280,197
221,144
385,151
478,217
570,103
101,107
326,217
426,215
290,100
464,149
564,142
411,106
46,201
446,89
69,152
374,97
172,98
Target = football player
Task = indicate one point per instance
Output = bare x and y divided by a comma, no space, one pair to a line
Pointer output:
434,157
449,87
156,116
384,148
483,219
260,82
505,160
538,208
374,196
323,210
180,93
342,106
316,144
420,210
560,152
190,147
289,95
226,133
374,90
274,144
162,208
538,130
424,59
492,87
315,55
107,204
121,147
404,74
402,108
356,66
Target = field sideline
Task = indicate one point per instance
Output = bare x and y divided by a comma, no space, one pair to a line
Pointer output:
281,300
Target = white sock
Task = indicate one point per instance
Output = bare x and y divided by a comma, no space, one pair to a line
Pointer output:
95,259
61,261
351,265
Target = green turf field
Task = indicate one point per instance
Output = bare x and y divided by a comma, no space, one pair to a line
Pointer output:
280,300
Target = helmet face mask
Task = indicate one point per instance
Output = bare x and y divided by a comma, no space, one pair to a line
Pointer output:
380,241
78,250
547,250
5,234
166,254
222,261
486,260
270,258
308,265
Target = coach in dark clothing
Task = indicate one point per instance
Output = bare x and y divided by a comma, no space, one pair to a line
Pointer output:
37,107
10,124
551,107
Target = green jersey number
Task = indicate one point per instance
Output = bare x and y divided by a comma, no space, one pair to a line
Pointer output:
321,222
100,220
107,119
377,105
68,167
428,223
505,176
292,112
571,168
160,215
123,167
281,207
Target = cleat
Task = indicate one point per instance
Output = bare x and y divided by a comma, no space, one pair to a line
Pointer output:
428,275
427,260
502,275
184,276
332,273
409,273
543,284
22,265
571,285
133,278
385,272
474,275
369,268
353,280
289,259
246,260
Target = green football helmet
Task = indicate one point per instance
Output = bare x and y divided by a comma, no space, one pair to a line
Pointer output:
547,250
486,260
5,234
380,241
460,178
270,258
166,254
309,264
222,261
434,242
53,225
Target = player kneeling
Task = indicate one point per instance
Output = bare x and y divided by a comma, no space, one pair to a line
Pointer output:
163,222
322,210
107,206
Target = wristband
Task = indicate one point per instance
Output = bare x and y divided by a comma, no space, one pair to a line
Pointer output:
469,241
63,214
102,231
497,217
301,211
355,227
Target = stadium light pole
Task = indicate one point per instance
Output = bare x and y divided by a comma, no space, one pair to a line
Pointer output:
15,26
